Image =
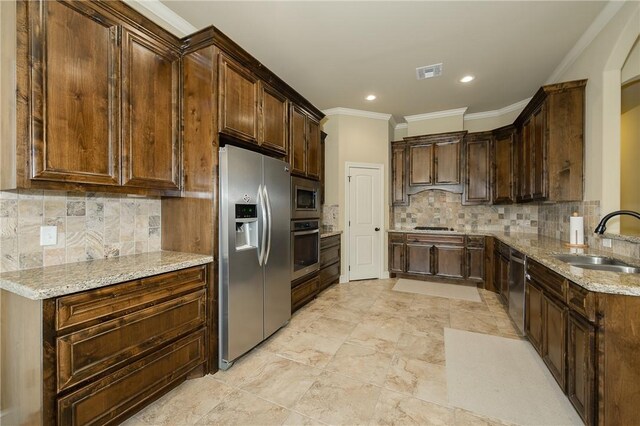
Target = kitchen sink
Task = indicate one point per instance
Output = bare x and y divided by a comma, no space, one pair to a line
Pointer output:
598,263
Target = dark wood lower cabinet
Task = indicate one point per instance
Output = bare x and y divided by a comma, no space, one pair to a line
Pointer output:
554,339
581,360
475,261
501,276
329,261
303,291
419,259
449,261
533,315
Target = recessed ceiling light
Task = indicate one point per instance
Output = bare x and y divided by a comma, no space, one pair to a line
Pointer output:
371,97
466,79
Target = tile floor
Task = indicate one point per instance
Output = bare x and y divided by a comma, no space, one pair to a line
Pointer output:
359,354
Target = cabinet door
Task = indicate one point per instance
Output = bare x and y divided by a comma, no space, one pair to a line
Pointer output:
396,257
313,148
398,176
150,118
449,261
475,263
238,106
298,141
538,154
554,342
496,273
477,171
421,164
525,163
419,259
581,357
447,163
75,94
533,315
503,169
274,116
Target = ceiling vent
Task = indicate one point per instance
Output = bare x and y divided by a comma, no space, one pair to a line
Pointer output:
429,71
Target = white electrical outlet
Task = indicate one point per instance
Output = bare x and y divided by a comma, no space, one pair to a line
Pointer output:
606,242
48,235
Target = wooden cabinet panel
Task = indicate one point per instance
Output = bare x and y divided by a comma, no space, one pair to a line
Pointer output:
475,263
151,151
419,259
399,195
533,315
581,359
554,342
449,261
502,277
489,279
447,163
548,280
238,106
329,275
302,293
274,120
421,163
75,93
298,138
581,301
503,173
396,253
313,148
329,255
538,148
477,188
122,393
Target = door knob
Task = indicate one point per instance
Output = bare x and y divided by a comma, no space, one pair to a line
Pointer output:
377,229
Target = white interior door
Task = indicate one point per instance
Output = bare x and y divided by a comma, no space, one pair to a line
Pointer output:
365,222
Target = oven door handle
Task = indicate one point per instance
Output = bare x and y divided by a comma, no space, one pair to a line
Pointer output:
314,231
267,202
263,212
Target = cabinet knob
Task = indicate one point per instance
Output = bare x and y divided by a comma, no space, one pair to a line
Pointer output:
377,229
527,276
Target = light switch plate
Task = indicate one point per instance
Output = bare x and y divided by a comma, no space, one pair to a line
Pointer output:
48,235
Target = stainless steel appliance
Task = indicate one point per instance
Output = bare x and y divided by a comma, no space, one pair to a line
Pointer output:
255,268
517,263
305,198
305,247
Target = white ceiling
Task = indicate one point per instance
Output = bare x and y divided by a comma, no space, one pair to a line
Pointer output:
336,52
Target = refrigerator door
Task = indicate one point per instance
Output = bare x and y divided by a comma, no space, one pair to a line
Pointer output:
241,276
277,262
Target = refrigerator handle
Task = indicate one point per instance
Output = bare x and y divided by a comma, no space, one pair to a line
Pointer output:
267,201
263,212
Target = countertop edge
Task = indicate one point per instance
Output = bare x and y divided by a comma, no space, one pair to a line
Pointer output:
330,234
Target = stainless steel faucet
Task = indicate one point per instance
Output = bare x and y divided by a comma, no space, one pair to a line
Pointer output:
601,226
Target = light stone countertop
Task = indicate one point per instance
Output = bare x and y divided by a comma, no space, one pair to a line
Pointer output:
59,280
541,249
330,234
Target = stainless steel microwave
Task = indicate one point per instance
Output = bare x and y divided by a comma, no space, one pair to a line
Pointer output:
305,198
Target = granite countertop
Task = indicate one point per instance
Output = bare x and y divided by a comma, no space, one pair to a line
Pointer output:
330,234
59,280
541,249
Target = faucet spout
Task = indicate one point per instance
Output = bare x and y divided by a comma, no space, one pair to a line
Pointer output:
601,228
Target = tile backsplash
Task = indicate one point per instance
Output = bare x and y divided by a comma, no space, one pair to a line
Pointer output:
330,217
90,226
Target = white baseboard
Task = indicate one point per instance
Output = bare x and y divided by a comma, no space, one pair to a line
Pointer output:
385,275
344,279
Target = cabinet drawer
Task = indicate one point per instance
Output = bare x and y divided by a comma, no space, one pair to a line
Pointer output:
395,237
329,242
582,301
304,292
550,281
435,239
503,249
124,392
110,302
329,275
93,350
329,255
475,241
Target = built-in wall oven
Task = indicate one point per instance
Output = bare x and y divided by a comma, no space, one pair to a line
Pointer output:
305,199
305,247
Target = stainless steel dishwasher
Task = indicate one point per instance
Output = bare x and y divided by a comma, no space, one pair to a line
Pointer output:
517,262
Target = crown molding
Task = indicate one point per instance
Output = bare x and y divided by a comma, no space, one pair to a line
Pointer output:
603,18
163,16
436,114
402,126
518,106
357,113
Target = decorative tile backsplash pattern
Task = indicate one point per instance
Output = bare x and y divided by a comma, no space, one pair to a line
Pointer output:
90,226
439,208
330,217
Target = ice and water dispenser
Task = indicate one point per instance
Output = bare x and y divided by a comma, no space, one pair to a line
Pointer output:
246,226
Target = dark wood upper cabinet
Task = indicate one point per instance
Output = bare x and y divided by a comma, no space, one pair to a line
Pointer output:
421,164
539,151
298,141
477,169
151,145
75,90
238,106
503,166
313,148
399,195
447,163
274,120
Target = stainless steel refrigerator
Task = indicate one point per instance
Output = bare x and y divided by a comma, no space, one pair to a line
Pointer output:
255,261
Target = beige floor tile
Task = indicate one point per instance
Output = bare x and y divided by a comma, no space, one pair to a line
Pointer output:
344,313
467,418
302,319
242,408
310,349
425,348
430,302
433,314
466,305
383,318
373,336
386,305
424,327
418,378
332,328
361,363
336,399
297,419
398,409
246,368
472,321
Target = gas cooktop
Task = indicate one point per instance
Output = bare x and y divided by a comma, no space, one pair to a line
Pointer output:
432,228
